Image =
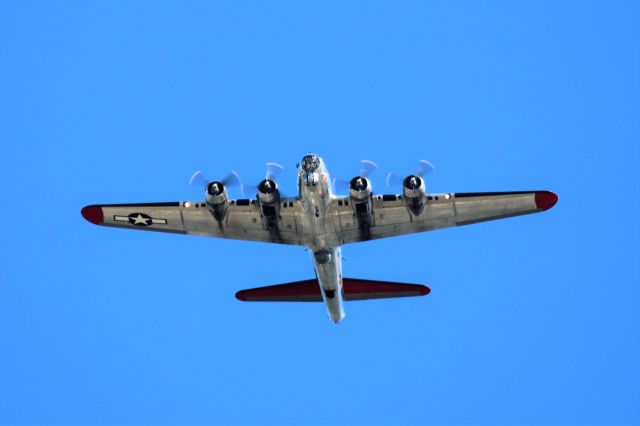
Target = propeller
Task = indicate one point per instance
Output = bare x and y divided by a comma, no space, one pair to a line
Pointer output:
423,168
272,171
367,167
231,180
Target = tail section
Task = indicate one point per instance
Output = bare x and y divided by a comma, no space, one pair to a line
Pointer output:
352,289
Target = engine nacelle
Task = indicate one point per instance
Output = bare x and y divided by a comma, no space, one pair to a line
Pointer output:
360,189
415,193
269,199
268,192
360,194
217,199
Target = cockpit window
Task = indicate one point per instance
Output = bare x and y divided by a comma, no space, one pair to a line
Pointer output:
310,163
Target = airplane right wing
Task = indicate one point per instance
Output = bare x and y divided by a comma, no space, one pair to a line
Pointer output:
391,216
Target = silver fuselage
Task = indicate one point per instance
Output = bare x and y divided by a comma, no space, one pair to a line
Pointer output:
315,195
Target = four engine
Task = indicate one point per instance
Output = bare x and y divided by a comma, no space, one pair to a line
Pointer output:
413,188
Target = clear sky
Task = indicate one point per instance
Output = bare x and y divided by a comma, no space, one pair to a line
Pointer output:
531,320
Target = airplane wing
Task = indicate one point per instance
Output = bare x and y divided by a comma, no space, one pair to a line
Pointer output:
391,216
243,220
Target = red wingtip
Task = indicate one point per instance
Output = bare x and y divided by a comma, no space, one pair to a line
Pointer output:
93,214
425,290
242,296
545,200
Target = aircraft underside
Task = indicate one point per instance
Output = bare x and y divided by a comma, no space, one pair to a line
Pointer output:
323,222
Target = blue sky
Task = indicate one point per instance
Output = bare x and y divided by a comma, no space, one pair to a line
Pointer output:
531,320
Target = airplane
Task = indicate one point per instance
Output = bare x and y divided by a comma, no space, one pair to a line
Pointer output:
322,221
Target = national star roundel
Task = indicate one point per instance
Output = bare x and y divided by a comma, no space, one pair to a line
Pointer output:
140,219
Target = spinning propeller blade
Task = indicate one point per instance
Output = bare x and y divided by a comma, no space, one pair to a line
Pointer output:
340,185
424,167
230,181
233,179
198,179
273,170
367,167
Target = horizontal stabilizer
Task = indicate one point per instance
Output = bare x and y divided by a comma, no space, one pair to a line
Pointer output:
355,289
352,289
299,291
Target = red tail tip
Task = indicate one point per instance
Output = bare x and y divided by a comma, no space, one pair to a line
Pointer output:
545,200
93,214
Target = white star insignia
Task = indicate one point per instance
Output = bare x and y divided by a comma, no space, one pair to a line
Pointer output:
140,219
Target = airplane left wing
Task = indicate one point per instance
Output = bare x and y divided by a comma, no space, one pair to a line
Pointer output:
243,220
390,215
